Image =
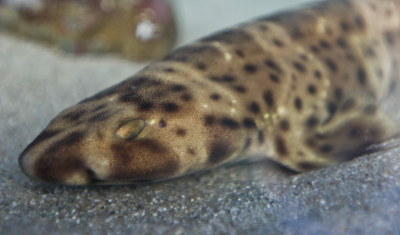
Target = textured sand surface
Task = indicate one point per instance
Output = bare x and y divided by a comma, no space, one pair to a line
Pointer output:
359,197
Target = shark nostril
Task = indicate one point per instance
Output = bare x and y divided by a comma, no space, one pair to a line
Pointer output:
92,177
90,173
83,175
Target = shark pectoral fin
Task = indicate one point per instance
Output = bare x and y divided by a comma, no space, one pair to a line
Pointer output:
357,127
358,124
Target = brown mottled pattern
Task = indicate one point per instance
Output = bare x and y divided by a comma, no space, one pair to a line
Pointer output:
300,87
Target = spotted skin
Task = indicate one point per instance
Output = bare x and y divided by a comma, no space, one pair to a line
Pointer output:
301,88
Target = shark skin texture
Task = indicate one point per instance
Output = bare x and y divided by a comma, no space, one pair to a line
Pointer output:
300,87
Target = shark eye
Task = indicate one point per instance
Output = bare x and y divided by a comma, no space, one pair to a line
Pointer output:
130,129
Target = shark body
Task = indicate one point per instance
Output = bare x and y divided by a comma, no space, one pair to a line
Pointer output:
301,87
